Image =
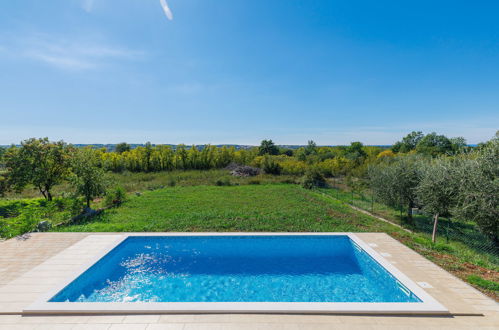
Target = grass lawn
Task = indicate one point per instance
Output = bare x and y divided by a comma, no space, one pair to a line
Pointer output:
275,207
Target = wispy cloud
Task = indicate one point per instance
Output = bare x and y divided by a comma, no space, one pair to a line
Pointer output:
166,9
70,54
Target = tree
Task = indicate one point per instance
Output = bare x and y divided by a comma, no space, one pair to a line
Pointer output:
3,185
458,144
267,147
478,189
394,181
437,188
311,148
355,151
87,178
38,162
434,145
2,152
122,147
409,142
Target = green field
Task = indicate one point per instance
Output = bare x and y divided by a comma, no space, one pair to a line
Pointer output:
273,207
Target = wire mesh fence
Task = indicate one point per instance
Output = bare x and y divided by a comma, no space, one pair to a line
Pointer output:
449,231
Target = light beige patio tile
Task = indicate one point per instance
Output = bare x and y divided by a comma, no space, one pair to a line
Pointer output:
55,326
95,326
141,319
17,326
173,326
106,319
203,326
9,319
128,327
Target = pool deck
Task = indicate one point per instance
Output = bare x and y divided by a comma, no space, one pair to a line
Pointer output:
29,268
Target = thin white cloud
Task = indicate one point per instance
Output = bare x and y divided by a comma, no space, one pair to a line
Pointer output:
69,53
166,9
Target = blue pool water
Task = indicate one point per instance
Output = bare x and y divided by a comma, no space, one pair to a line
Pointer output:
236,269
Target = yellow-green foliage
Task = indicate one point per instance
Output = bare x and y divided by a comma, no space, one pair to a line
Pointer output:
164,158
386,153
336,166
292,166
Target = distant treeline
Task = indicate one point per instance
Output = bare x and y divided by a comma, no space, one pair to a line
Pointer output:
331,160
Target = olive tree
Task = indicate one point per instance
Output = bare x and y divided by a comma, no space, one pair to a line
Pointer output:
478,187
39,162
394,181
87,178
437,189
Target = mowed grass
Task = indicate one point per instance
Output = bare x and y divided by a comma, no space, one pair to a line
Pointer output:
273,207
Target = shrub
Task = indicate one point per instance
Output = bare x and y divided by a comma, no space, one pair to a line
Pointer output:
270,166
115,197
313,178
223,182
293,167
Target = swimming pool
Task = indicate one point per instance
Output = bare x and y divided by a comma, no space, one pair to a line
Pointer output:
243,273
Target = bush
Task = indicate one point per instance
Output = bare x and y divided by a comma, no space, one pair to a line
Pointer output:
293,167
270,166
223,182
115,197
313,178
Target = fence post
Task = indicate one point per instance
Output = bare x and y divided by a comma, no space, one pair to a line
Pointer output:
372,203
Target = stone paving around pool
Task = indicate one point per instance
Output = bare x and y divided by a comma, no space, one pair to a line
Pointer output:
32,267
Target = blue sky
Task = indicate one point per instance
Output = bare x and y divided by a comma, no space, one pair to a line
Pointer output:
239,71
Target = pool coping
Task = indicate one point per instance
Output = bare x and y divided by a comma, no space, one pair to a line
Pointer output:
428,306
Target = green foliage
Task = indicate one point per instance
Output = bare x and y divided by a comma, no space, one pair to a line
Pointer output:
394,181
87,179
434,145
311,148
3,185
115,197
313,178
270,166
22,215
223,182
356,152
483,283
122,147
478,188
437,188
409,142
267,147
38,162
